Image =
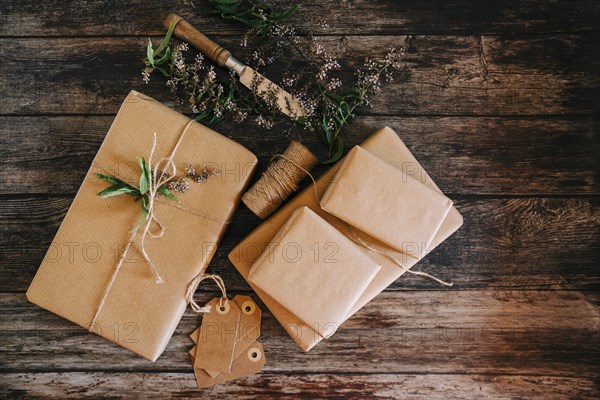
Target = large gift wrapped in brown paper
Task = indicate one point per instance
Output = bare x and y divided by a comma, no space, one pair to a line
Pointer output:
314,271
387,146
385,202
99,272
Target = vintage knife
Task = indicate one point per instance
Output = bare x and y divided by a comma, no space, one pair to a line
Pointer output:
254,81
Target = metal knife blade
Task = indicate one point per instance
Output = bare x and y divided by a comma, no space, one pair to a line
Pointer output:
271,93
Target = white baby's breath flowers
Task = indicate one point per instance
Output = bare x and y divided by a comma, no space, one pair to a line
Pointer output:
333,84
263,122
318,49
146,74
309,73
212,75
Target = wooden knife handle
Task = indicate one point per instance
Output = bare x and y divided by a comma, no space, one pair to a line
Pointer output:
184,31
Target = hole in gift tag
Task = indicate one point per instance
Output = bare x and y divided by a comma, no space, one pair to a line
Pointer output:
223,309
254,354
248,307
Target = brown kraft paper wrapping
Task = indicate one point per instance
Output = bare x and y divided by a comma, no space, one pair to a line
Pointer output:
385,203
314,271
384,144
77,272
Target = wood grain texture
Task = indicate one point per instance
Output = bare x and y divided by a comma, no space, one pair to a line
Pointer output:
53,18
475,332
500,104
464,155
180,385
447,75
518,243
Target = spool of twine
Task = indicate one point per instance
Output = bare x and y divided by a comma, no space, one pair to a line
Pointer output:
280,180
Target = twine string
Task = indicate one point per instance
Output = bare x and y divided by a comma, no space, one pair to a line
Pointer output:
356,239
301,168
165,202
281,178
168,168
282,172
191,290
155,184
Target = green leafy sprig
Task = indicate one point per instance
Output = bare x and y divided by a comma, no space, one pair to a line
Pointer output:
309,73
161,56
141,194
262,18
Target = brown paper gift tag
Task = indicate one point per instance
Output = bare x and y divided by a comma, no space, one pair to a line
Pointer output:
249,325
217,338
80,263
384,144
385,203
251,361
248,331
249,355
314,271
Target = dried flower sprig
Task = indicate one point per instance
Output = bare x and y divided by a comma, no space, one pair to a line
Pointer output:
141,194
312,77
339,108
196,84
174,184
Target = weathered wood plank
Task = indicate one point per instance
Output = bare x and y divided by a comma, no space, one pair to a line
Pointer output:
295,386
448,75
475,332
482,155
51,18
501,100
505,243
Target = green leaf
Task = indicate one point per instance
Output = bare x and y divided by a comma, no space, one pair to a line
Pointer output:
334,96
166,39
118,189
165,57
143,217
338,153
164,72
228,2
167,193
260,17
110,179
328,134
150,53
144,176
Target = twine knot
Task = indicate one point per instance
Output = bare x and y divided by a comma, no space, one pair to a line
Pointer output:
191,290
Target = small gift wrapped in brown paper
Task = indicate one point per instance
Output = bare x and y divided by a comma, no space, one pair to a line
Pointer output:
385,145
99,271
314,271
385,203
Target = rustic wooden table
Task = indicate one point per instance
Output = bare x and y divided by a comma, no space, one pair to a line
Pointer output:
500,106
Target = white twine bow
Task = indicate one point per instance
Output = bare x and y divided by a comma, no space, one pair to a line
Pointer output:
153,188
168,171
